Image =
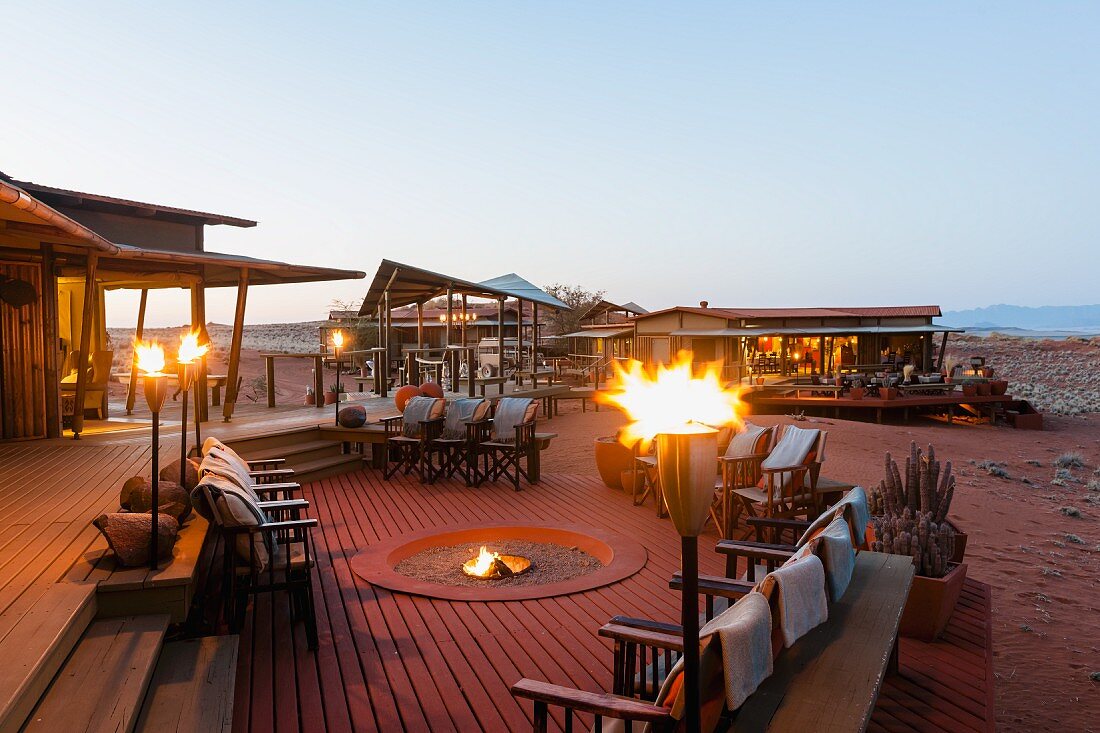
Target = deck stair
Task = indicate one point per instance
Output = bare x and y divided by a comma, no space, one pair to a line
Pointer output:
312,456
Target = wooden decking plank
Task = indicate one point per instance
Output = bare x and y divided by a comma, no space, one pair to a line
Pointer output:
192,687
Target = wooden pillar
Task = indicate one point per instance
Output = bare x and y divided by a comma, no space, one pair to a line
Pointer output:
926,352
450,315
943,350
389,324
463,324
535,336
51,368
500,336
198,323
235,347
86,325
139,333
519,340
420,325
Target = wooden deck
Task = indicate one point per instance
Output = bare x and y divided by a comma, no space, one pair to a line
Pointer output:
949,404
396,662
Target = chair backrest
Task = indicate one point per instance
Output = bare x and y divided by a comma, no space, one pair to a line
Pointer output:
510,412
101,367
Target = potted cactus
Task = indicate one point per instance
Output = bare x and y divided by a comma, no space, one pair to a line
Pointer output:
910,518
857,391
335,393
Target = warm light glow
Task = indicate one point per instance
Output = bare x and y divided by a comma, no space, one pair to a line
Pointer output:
482,565
190,350
338,339
150,357
672,400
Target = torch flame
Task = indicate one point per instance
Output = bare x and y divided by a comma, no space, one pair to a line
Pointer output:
150,357
672,399
190,351
483,564
338,339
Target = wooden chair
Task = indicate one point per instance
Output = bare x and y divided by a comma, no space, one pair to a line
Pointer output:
457,444
738,472
786,491
99,374
265,477
407,443
267,549
505,447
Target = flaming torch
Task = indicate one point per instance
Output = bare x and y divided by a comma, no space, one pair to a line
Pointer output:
681,411
189,357
337,343
150,361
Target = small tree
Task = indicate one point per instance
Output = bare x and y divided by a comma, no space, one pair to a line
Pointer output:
577,297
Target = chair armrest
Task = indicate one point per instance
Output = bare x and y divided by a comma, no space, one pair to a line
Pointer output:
284,504
642,637
755,550
644,623
741,459
282,526
712,585
263,477
259,465
288,488
386,420
785,469
596,703
778,523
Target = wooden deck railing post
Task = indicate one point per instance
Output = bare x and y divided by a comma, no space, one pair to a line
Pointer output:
131,388
86,318
235,347
51,368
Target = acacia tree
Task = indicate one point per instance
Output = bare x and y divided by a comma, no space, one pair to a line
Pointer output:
577,297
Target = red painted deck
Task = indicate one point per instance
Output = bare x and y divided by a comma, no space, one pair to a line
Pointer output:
396,662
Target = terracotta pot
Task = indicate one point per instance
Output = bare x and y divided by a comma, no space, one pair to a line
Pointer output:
760,380
310,399
931,603
857,393
633,482
888,393
984,389
970,389
998,386
612,459
330,398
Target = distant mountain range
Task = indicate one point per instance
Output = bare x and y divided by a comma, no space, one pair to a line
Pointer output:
1046,317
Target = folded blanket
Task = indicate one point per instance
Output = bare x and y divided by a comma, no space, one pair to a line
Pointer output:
510,413
459,412
834,547
791,450
797,591
735,657
217,461
743,444
859,514
417,410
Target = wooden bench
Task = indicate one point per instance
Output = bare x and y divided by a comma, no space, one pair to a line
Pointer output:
827,681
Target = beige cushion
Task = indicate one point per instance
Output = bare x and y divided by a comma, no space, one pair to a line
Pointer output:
746,442
237,510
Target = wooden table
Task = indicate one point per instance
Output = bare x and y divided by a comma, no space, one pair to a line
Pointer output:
318,374
535,376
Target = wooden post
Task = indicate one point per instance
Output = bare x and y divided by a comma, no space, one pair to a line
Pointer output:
139,332
87,316
51,368
500,337
198,323
464,317
519,340
534,336
414,366
943,349
318,382
270,379
235,347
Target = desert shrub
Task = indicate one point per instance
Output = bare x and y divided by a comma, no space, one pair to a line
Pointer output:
1070,460
1074,539
993,468
1071,511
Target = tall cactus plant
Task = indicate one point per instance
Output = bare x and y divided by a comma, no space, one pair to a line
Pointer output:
910,517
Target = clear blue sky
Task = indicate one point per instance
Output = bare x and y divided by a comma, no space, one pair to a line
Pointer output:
748,154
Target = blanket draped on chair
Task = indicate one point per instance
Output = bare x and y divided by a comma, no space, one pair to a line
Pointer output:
792,450
510,413
459,412
798,589
417,410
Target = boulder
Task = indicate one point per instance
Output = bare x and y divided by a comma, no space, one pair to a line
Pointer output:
174,500
171,472
132,484
352,416
128,535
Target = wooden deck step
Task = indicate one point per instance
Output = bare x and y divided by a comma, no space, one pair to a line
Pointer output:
298,451
35,642
328,466
101,686
192,688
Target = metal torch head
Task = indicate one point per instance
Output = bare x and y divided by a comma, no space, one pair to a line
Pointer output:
185,373
687,466
156,390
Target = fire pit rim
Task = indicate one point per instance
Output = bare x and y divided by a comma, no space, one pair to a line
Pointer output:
620,556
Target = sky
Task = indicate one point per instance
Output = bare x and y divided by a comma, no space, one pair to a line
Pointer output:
748,154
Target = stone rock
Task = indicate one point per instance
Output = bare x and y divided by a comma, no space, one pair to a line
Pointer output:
132,484
171,472
129,536
352,416
174,500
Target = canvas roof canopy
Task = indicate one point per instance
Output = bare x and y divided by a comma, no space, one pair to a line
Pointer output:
408,284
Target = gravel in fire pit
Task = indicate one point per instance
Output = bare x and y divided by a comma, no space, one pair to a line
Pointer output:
550,563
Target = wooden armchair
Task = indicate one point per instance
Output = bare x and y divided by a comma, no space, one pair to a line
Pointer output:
99,374
267,549
786,490
458,442
408,442
506,449
738,472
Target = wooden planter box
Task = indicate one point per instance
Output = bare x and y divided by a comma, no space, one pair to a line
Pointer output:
931,603
960,543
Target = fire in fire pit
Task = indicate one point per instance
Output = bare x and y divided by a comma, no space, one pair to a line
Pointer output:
493,566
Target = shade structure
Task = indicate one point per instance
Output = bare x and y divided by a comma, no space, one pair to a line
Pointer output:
512,285
407,284
686,464
598,333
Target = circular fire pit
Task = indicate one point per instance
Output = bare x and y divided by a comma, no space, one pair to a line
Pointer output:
519,562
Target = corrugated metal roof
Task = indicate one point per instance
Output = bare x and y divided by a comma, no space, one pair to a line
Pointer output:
518,287
897,311
599,333
818,331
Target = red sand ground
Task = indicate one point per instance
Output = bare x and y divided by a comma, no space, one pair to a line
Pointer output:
1046,591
